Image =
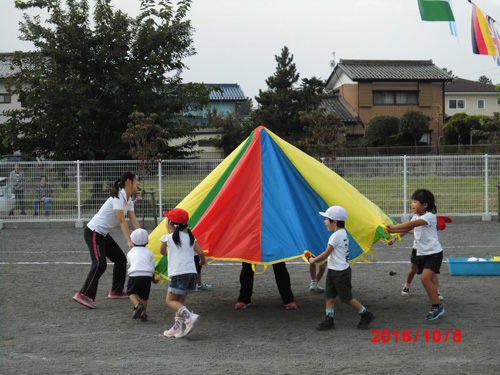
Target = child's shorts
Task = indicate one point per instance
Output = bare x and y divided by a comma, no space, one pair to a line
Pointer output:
183,284
338,283
413,257
140,285
431,262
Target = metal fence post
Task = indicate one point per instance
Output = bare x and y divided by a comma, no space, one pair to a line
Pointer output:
160,197
405,216
486,215
78,222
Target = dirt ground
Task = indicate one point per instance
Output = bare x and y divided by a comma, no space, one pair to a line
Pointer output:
43,331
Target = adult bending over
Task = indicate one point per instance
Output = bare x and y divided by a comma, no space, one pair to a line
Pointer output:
102,245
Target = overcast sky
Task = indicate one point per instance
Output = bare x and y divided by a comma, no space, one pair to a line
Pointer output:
236,40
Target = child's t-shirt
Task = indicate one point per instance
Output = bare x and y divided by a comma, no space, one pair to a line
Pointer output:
426,237
141,262
180,258
338,259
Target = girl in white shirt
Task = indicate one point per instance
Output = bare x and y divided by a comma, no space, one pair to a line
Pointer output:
102,245
429,251
180,247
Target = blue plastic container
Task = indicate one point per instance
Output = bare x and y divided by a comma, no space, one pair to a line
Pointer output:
461,267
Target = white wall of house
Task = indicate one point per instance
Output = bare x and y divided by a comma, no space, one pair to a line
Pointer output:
471,103
14,102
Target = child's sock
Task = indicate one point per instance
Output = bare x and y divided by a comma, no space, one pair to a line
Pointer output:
184,312
330,312
362,310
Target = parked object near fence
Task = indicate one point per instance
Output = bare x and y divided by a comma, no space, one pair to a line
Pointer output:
464,185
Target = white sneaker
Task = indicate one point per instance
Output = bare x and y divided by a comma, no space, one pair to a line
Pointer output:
441,298
176,330
193,318
319,289
313,285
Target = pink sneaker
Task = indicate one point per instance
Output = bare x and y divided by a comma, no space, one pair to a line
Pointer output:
112,294
84,300
291,306
193,318
241,305
176,330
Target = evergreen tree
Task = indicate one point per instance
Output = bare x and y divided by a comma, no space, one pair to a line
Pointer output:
281,103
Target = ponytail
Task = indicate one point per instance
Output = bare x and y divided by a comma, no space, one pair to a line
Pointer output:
179,228
120,183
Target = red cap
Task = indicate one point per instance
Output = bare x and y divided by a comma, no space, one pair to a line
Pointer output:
177,215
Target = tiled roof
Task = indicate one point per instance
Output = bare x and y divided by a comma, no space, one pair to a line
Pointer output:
230,91
5,68
394,70
338,106
464,85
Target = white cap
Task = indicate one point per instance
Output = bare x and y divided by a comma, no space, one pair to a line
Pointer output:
335,213
140,237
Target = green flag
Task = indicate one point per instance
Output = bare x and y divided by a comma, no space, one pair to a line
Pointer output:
435,10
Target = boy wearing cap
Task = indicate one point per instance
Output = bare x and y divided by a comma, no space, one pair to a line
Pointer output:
141,273
338,278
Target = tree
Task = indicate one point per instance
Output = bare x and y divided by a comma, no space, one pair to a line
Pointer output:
414,124
281,103
312,88
86,75
146,140
484,79
449,72
461,127
380,129
321,131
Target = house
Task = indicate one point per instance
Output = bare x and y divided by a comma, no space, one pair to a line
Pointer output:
388,87
6,100
227,100
471,97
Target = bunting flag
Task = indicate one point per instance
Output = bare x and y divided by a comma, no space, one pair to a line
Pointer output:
435,10
261,206
482,35
496,38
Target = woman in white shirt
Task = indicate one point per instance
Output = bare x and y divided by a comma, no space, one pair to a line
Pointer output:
102,245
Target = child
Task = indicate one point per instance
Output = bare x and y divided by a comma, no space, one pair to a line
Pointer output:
338,278
179,247
141,273
429,253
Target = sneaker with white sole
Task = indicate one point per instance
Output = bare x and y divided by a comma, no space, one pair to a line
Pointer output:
176,330
203,286
241,305
190,322
115,295
406,290
313,285
319,289
441,298
84,300
291,306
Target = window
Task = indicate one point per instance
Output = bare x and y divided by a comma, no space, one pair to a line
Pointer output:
480,104
456,104
4,98
395,98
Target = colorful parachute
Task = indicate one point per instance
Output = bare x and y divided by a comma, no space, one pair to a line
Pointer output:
261,204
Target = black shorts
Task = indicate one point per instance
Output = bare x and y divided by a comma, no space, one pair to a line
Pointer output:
338,283
431,262
413,257
140,285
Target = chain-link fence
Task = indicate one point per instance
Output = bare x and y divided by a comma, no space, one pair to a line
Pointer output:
463,185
